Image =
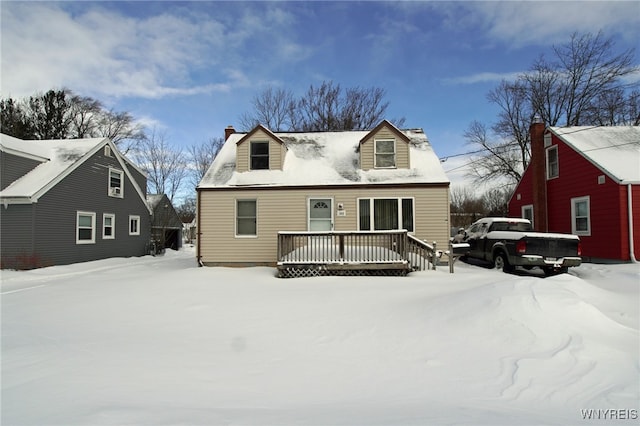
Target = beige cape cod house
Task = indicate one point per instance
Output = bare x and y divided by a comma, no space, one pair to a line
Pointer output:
323,188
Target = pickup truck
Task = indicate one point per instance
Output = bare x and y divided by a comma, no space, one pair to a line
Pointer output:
511,242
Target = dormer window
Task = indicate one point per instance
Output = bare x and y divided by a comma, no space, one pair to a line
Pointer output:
115,183
385,153
259,155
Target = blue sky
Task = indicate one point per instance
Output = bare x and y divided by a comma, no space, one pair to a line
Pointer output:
192,68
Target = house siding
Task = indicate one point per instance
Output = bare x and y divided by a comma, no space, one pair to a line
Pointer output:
286,210
17,233
54,217
139,177
13,167
367,150
276,152
578,177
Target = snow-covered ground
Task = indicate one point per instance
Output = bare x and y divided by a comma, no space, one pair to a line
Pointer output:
159,341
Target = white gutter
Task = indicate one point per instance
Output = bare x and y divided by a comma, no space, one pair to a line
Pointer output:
630,216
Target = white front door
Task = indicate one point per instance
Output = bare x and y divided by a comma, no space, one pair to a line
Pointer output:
320,214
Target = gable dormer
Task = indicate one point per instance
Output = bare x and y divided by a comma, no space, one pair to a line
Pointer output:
260,149
384,147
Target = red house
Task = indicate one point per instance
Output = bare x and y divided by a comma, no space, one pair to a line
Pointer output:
584,181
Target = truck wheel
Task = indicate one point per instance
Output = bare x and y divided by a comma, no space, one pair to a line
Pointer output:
501,263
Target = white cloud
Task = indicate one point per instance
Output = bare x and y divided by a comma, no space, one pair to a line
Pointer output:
103,53
520,23
484,77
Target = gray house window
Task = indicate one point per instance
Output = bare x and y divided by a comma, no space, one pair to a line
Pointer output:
259,155
134,225
85,228
115,183
246,218
108,226
385,153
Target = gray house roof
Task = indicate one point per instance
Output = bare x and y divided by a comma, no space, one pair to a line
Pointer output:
613,149
58,158
325,158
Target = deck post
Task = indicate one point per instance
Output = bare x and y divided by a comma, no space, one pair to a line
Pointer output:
434,257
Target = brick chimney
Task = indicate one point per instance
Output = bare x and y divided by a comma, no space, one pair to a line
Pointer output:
228,132
538,166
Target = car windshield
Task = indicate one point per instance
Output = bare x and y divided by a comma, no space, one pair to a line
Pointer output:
511,226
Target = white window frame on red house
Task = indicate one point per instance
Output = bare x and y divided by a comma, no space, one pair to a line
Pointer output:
525,209
579,215
552,172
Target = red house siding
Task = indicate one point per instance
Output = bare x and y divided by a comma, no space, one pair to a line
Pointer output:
578,177
523,195
635,195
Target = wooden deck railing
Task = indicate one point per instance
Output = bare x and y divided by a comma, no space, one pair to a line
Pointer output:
354,250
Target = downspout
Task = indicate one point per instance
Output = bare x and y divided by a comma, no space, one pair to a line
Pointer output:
630,216
198,233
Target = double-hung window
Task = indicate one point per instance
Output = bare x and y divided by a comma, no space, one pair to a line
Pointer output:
378,214
385,153
115,183
552,162
85,228
580,216
108,226
134,225
527,213
259,155
246,218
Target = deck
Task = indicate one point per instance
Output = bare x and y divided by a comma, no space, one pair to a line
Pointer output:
352,253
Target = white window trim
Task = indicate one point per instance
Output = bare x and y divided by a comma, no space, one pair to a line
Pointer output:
547,168
371,208
375,154
93,227
137,219
113,192
574,201
236,218
528,207
113,226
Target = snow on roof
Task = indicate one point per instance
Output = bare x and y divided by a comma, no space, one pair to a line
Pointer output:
154,199
325,158
57,156
613,149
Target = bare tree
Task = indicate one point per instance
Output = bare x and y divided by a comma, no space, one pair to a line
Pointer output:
273,108
165,165
122,129
85,112
201,157
590,69
583,86
50,114
60,114
326,107
499,158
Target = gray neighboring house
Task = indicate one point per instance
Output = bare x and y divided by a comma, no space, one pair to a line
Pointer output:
166,226
68,201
